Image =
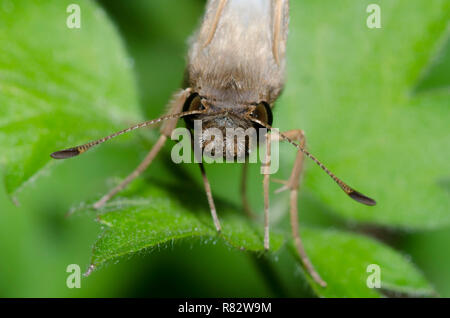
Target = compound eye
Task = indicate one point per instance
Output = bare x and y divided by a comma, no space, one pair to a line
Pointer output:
195,103
263,113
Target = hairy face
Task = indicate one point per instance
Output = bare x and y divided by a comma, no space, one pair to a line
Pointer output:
223,130
226,136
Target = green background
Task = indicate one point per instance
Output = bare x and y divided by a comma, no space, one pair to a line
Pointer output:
342,81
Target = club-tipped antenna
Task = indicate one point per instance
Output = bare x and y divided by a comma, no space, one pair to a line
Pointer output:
75,151
352,193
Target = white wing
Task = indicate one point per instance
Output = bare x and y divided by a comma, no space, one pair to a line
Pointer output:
240,47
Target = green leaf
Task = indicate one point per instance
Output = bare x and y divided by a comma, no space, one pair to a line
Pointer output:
58,86
351,89
147,217
142,221
342,259
436,75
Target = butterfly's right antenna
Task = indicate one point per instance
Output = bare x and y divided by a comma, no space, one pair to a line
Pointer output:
75,151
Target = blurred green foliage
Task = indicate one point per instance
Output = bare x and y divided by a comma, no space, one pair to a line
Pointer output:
48,64
382,100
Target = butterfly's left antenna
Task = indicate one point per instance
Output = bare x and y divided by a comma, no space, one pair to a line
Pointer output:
352,193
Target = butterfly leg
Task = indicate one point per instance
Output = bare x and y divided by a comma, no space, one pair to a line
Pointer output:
265,169
292,185
166,130
210,198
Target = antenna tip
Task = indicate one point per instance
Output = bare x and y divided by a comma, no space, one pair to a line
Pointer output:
66,153
361,198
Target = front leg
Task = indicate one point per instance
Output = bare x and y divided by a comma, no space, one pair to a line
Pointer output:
166,130
292,184
210,198
266,179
